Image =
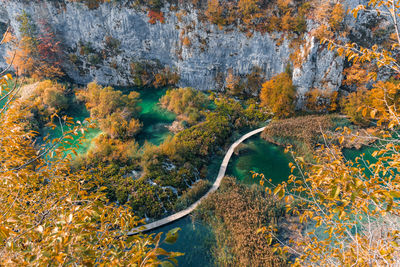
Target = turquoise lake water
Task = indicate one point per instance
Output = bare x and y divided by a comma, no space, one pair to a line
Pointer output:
259,156
154,118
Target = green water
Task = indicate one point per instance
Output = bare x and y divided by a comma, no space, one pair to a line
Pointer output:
261,157
154,118
80,142
364,153
195,238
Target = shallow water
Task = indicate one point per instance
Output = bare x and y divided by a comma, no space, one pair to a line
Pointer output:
154,118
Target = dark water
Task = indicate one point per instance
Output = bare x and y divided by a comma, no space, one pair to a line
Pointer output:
364,153
195,240
259,156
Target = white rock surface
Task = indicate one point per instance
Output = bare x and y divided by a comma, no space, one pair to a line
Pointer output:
198,64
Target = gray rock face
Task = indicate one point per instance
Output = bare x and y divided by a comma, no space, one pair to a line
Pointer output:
210,55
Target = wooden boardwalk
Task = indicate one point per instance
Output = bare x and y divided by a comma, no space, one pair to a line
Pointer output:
215,186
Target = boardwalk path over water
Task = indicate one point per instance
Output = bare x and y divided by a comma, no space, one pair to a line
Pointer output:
217,183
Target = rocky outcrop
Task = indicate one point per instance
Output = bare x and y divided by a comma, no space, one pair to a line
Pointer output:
202,63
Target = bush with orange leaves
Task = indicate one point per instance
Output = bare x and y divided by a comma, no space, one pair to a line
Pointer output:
115,112
278,95
156,16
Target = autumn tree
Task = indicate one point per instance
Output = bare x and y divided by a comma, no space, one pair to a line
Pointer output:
115,112
278,95
329,16
352,207
187,103
233,83
351,106
321,100
356,77
37,53
249,9
214,12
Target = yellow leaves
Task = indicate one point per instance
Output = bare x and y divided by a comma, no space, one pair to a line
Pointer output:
172,236
341,139
279,191
5,232
373,113
278,95
335,192
60,258
289,199
356,10
340,51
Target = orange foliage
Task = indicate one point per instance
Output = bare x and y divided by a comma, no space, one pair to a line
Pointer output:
166,77
337,16
37,57
356,76
214,12
114,111
321,100
330,18
155,16
186,41
278,95
8,37
21,58
287,22
249,9
232,83
106,149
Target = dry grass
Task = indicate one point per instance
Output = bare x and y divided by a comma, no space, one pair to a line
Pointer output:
235,213
303,133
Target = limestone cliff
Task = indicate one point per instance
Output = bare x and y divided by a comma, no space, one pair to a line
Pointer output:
202,64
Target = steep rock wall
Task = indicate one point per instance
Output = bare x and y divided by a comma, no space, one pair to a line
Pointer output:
211,53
